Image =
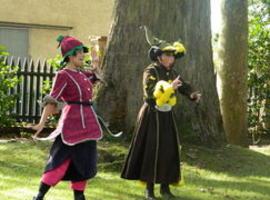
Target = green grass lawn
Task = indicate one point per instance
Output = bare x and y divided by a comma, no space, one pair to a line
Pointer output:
227,173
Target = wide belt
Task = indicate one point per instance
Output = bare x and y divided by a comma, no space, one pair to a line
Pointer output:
150,102
84,103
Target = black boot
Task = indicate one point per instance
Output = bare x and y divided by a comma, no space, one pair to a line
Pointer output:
149,192
43,189
37,198
78,195
166,192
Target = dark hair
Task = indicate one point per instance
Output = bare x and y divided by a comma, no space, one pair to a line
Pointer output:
154,52
66,60
179,55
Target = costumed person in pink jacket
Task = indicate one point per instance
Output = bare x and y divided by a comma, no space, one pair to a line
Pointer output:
73,155
154,151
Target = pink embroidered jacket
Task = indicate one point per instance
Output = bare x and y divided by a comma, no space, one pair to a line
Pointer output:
78,123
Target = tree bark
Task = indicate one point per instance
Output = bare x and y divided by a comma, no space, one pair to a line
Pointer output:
127,56
232,69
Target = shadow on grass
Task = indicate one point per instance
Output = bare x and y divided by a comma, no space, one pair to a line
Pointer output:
254,185
230,160
23,162
27,158
116,188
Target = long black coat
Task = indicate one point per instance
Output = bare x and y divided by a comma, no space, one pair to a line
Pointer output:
154,152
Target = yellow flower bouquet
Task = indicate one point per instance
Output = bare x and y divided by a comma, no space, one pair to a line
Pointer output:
164,95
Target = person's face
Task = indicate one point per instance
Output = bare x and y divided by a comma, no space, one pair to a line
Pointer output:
78,59
167,59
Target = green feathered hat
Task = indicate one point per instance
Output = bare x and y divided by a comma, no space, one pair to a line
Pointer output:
69,45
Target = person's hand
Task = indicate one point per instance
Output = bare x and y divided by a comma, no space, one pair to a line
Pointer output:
38,128
196,96
176,83
95,59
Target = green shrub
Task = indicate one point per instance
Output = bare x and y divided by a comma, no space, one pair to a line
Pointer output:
8,80
259,68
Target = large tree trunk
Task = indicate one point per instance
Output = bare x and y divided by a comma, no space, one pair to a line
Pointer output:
126,57
232,69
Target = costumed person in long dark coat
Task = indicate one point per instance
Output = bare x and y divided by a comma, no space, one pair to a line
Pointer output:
154,152
73,155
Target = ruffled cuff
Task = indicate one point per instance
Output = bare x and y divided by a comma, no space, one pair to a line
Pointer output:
50,100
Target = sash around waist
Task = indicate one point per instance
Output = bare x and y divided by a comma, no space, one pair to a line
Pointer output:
84,103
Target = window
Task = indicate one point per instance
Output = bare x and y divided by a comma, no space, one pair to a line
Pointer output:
16,40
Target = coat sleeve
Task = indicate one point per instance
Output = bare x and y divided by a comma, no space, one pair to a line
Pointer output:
91,76
186,89
149,82
58,88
